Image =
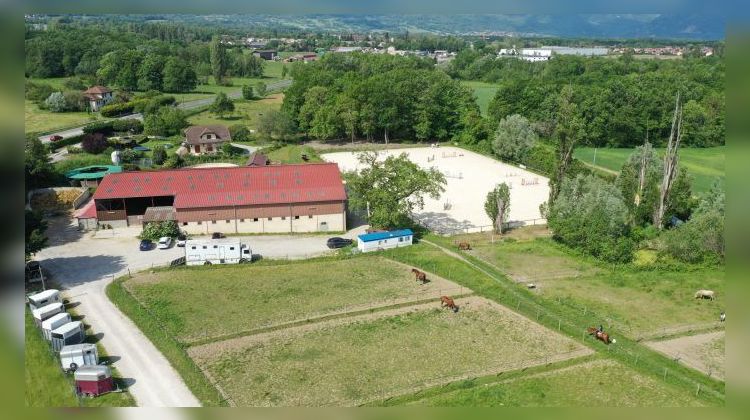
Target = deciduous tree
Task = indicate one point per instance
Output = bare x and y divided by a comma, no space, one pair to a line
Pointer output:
514,138
497,206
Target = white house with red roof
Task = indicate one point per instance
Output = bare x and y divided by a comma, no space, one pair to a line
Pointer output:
98,96
250,199
206,139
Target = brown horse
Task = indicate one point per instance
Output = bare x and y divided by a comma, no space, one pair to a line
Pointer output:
446,301
419,275
464,246
600,335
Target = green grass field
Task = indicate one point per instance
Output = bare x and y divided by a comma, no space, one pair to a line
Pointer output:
245,112
45,383
41,120
641,300
293,154
705,165
357,362
247,297
598,383
484,92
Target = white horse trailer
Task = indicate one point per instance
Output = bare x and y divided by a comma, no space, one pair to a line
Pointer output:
44,298
216,251
77,355
46,312
70,333
54,323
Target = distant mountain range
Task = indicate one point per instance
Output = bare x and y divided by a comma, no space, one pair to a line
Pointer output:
696,27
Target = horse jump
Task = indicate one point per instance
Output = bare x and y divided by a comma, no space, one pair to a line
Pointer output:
464,246
446,301
419,275
600,335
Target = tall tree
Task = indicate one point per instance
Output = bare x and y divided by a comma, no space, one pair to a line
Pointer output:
392,189
514,138
568,131
219,60
670,164
638,182
497,206
38,170
150,73
35,228
221,105
178,76
261,89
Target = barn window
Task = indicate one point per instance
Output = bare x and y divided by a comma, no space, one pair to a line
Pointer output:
184,223
242,220
228,221
213,222
309,216
270,218
199,222
296,217
401,239
216,246
283,217
205,247
231,248
193,247
255,219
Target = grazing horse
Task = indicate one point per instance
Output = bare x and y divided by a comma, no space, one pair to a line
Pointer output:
464,246
601,335
446,301
419,275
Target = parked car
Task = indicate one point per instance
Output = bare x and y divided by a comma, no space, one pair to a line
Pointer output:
337,242
146,244
55,138
164,242
181,239
217,235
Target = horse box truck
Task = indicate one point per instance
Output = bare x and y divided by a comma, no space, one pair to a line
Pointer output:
216,251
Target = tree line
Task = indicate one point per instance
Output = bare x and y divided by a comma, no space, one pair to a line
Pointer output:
376,97
622,101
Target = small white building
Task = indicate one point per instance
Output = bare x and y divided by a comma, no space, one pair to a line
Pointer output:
98,96
377,241
216,251
43,298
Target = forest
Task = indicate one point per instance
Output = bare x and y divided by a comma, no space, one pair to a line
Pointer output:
623,101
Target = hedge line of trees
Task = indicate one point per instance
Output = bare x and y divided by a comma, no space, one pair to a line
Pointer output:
622,101
376,97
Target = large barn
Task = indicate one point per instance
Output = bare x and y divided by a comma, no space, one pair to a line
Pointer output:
256,199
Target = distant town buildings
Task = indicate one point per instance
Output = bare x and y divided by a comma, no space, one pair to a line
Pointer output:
526,54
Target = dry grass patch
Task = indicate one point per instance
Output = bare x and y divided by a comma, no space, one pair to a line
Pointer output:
367,360
704,352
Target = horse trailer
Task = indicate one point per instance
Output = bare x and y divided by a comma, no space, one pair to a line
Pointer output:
44,298
46,312
377,241
78,355
93,380
216,251
70,333
54,323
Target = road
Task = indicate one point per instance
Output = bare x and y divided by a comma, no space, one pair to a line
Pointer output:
187,105
84,263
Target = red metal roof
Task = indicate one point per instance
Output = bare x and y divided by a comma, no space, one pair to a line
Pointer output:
217,187
87,212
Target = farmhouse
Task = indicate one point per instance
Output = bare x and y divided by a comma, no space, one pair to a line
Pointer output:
384,240
206,139
98,96
249,199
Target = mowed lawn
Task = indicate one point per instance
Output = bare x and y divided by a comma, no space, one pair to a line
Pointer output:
293,154
272,73
483,91
635,301
245,112
705,164
200,303
599,383
38,120
368,360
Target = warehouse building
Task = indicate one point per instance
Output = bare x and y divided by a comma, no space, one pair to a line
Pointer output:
251,199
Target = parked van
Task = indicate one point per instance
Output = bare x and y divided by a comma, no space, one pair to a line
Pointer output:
216,251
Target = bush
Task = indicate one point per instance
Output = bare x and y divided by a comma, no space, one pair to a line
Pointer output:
130,125
55,102
514,138
590,214
38,92
240,133
247,92
130,167
74,83
159,155
116,110
156,230
75,101
104,127
130,155
94,143
174,161
167,121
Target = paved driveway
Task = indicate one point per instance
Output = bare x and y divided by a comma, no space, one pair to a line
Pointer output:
84,263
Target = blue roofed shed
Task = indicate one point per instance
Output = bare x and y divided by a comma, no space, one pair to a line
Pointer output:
384,240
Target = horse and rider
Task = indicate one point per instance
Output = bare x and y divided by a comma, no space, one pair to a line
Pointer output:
600,334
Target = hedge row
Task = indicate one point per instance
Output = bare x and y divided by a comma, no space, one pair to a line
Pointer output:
136,105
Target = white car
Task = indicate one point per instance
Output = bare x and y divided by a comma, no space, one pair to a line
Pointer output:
164,242
181,240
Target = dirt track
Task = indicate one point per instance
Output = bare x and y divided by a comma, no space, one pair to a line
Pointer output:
697,351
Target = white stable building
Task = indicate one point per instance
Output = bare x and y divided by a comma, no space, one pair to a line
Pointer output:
377,241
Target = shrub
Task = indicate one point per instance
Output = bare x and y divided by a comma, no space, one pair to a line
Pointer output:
174,161
130,155
130,125
94,143
247,92
115,110
104,127
167,121
38,92
159,155
55,102
514,138
156,230
240,132
74,83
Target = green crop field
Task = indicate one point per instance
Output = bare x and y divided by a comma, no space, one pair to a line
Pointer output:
245,112
370,359
598,383
639,301
247,297
484,92
705,165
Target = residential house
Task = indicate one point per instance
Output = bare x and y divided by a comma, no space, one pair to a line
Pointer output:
98,96
206,139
